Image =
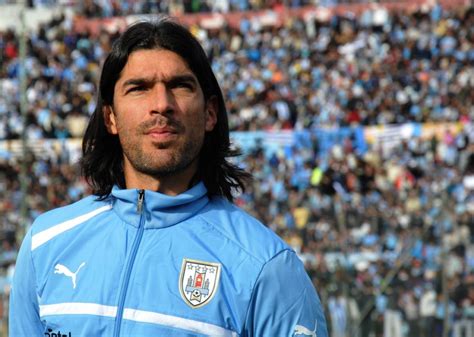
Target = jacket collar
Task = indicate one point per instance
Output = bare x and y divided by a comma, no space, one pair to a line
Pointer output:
160,210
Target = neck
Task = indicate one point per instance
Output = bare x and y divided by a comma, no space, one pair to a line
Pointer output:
170,184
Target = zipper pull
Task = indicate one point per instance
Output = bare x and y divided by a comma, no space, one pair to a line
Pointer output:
141,197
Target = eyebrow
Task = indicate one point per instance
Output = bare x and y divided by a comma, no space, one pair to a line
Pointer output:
172,80
182,78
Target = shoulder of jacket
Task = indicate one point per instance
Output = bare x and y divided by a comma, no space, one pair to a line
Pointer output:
247,232
53,217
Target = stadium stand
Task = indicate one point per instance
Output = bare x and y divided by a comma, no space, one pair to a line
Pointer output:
355,119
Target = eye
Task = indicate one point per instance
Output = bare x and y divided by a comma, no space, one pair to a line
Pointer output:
184,85
135,88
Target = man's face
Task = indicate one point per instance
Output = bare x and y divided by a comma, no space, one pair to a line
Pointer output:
160,116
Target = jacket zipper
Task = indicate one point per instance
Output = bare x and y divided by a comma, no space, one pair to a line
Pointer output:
130,262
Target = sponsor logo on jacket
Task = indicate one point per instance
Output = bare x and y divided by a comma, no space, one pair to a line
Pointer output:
50,333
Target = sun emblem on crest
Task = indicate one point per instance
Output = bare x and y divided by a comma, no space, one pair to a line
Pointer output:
198,281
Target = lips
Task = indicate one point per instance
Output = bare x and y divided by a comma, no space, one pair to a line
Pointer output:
161,134
159,131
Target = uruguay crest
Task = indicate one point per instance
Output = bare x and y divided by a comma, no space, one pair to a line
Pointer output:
198,282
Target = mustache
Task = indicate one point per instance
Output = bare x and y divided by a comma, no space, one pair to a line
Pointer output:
160,121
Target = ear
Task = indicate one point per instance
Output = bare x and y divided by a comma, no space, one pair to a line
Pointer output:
109,119
211,113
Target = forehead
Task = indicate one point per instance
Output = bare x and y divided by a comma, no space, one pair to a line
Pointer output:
154,63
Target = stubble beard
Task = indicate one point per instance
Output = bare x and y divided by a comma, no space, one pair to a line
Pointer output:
159,159
166,161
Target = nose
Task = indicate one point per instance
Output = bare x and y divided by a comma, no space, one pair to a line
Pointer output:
163,100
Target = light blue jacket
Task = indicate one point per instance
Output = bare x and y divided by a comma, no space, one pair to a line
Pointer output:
141,263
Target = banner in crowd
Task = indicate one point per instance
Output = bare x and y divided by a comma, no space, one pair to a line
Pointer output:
320,139
327,138
65,150
386,137
441,130
269,141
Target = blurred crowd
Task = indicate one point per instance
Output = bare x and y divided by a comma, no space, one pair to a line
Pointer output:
367,70
374,227
107,8
371,227
110,8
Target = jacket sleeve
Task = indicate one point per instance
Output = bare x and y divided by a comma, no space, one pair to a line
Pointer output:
284,301
24,317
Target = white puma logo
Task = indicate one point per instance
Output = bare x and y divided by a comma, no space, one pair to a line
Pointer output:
301,330
60,269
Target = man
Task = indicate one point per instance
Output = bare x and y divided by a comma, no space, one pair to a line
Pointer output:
159,249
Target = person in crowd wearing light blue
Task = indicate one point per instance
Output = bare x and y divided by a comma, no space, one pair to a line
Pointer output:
159,249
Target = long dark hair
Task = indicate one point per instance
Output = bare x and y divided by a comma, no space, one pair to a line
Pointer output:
102,160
